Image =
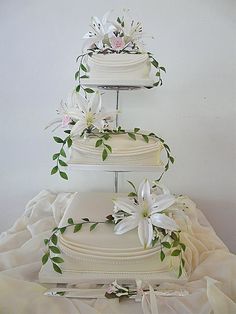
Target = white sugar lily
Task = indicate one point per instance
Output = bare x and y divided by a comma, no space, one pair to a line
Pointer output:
99,29
133,31
91,115
148,212
66,114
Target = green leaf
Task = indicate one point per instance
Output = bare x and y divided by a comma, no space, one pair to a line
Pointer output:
176,253
99,142
174,236
55,156
132,194
67,131
163,69
175,243
167,147
54,239
62,152
84,76
183,246
132,135
89,90
183,262
78,58
158,74
136,130
85,219
60,293
54,249
69,142
108,147
54,170
83,67
166,245
145,137
62,230
104,154
58,139
93,226
172,159
57,268
156,83
180,271
77,89
70,221
45,258
62,163
106,136
110,219
77,227
154,241
57,259
155,63
162,255
46,241
133,186
77,75
118,20
63,175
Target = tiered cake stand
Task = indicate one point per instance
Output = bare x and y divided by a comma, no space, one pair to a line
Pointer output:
116,168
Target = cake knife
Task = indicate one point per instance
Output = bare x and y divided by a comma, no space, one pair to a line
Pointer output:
100,293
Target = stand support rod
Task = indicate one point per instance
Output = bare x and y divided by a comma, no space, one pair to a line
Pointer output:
117,121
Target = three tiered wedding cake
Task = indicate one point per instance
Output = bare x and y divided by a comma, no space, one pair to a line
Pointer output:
104,237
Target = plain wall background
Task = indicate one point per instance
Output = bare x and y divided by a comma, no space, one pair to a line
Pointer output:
194,110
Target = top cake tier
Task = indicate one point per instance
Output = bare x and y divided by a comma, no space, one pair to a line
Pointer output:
127,70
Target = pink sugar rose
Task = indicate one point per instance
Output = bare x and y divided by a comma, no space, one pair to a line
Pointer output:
65,121
117,43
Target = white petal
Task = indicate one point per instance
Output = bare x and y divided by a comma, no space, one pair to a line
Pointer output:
96,23
163,221
58,120
99,124
144,193
127,224
95,103
78,128
163,188
162,202
145,232
105,17
126,205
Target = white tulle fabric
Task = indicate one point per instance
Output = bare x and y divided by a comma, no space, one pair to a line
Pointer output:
211,288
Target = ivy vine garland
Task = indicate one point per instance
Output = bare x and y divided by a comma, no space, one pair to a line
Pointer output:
83,70
107,149
173,244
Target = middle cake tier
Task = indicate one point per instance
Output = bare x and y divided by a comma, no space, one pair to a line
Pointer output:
125,151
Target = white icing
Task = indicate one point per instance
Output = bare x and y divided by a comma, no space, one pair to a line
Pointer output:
101,255
125,151
128,69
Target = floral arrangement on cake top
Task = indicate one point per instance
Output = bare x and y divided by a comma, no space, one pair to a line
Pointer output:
121,35
85,117
154,216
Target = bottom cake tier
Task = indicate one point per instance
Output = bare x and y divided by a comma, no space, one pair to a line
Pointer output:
101,256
